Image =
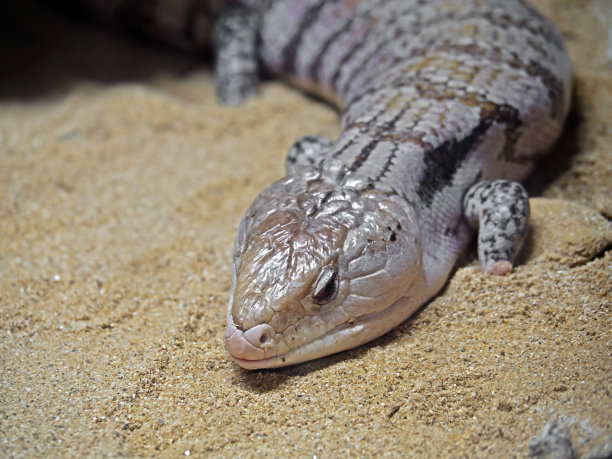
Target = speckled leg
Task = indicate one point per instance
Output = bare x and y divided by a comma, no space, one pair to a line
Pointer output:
306,152
499,210
234,39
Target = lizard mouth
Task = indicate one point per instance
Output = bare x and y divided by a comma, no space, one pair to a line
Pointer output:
245,353
341,338
251,357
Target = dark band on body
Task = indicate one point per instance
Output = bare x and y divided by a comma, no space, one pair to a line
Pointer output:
315,65
442,163
290,50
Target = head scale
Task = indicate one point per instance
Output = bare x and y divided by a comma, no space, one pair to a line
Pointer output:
311,258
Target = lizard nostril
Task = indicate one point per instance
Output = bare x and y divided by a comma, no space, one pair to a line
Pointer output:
260,335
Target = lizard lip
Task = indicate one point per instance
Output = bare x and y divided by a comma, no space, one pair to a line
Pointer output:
244,353
346,336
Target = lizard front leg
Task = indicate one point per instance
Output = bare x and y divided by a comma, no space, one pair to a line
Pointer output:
499,210
307,152
234,38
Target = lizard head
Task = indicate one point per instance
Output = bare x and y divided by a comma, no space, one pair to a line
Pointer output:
319,268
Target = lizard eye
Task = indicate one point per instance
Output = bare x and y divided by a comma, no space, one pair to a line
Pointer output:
326,286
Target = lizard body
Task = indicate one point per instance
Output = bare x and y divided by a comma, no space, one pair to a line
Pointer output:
446,104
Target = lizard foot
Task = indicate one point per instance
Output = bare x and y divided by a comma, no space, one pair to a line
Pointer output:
499,210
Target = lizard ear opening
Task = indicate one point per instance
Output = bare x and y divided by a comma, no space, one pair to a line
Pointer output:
325,287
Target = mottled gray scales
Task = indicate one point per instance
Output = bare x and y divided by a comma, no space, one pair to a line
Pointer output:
445,104
307,152
234,37
499,210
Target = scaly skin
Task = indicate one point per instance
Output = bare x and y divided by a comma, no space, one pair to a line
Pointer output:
437,97
445,103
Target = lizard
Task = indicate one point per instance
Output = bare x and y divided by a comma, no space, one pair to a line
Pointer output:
446,106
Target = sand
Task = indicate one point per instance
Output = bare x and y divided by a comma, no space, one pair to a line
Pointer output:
121,186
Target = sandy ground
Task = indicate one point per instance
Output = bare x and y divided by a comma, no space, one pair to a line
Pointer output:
121,185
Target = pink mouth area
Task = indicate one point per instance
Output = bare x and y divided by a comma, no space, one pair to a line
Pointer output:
245,354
